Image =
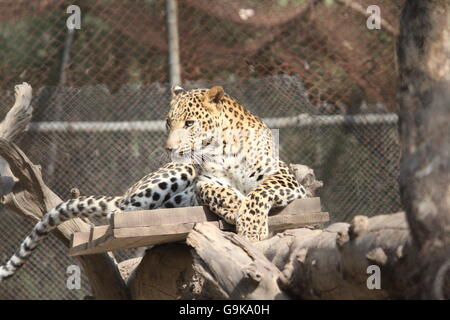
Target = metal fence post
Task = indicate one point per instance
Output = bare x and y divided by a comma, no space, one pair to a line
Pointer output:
172,34
57,96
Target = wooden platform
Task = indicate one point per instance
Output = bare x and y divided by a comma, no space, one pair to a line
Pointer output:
144,228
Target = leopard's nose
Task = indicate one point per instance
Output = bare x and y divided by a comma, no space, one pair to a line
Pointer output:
171,149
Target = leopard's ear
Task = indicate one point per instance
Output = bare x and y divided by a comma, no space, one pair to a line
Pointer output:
176,90
215,94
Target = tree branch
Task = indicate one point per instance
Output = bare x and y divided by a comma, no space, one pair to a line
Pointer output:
32,198
15,122
18,117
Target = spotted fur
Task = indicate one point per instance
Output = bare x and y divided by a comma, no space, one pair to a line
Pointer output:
223,157
240,176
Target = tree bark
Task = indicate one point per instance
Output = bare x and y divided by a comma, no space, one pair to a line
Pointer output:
334,264
247,275
424,99
17,119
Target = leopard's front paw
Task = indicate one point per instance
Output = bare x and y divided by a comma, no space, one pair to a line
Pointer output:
252,227
253,236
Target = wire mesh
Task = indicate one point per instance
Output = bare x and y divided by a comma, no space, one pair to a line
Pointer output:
280,58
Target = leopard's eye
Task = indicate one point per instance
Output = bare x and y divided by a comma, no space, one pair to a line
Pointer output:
189,123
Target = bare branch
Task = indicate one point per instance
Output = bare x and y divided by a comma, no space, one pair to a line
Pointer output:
16,121
19,116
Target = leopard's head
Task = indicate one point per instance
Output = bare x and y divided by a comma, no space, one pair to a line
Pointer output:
193,119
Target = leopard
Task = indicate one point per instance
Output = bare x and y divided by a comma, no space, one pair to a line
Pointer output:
222,157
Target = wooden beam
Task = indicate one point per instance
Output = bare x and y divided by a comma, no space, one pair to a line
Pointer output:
198,214
144,228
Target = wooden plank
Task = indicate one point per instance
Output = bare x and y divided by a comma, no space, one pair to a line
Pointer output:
121,243
308,205
176,229
82,241
104,238
125,238
283,222
198,214
80,238
98,235
162,217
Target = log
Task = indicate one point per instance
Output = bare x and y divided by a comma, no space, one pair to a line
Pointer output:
297,264
312,264
165,273
334,263
248,275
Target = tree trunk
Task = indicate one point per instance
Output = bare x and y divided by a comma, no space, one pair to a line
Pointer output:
424,98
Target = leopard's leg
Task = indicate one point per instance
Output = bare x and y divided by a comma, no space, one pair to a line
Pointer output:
220,198
276,190
182,198
170,186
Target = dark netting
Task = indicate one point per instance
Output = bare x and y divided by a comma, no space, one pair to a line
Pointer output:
312,69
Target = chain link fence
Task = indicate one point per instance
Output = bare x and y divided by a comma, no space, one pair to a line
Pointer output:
102,92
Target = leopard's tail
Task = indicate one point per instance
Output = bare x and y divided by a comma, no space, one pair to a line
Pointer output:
94,206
